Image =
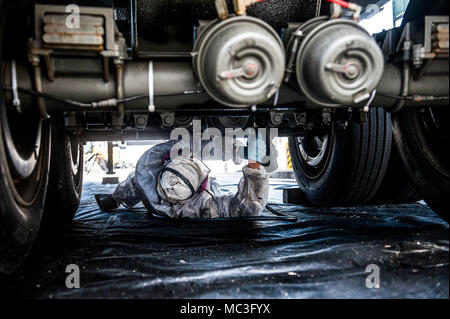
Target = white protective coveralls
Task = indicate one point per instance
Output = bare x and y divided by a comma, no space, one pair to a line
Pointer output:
207,201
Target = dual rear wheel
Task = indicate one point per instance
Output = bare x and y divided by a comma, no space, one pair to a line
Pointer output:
387,160
41,165
421,136
343,166
40,168
66,177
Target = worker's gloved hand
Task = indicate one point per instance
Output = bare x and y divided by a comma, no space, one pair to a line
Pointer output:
238,152
256,147
106,202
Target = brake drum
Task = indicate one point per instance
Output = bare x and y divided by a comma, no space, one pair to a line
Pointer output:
239,61
338,64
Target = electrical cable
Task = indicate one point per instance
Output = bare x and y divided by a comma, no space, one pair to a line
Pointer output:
114,102
415,98
102,103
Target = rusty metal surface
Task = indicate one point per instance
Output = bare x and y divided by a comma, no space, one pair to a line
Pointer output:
90,33
90,17
440,38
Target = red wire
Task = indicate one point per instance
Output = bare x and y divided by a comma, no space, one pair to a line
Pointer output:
341,3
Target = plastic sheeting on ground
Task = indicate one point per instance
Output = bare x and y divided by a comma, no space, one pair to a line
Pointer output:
127,254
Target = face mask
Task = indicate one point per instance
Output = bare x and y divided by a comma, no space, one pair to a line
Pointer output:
181,178
174,188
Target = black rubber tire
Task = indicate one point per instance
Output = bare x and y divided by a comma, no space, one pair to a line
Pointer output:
21,199
66,177
423,148
353,166
396,187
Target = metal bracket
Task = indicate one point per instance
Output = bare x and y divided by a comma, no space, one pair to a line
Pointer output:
118,63
34,58
222,9
140,121
34,54
276,118
300,118
326,115
167,119
297,35
366,107
435,40
240,6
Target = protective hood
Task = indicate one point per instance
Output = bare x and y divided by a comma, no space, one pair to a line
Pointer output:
181,178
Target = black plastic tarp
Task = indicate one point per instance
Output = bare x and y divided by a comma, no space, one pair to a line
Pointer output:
127,254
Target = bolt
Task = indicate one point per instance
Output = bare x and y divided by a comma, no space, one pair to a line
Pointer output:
167,120
352,70
140,121
276,118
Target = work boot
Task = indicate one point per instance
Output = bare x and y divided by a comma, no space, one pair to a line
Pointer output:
106,202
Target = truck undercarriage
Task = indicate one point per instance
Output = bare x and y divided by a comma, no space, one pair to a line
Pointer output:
351,103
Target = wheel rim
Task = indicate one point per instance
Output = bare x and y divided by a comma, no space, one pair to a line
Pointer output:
74,156
22,156
313,151
23,137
